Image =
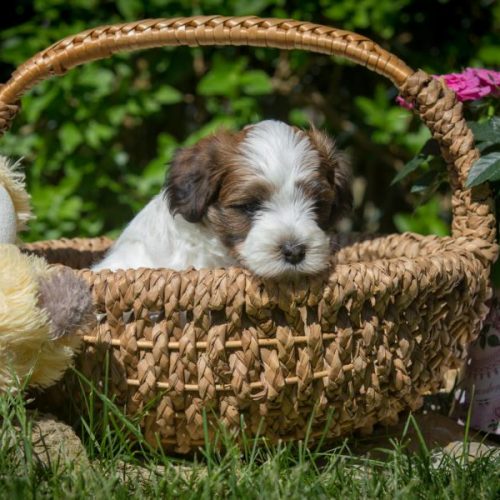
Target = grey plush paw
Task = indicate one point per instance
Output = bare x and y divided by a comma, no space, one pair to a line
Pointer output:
68,302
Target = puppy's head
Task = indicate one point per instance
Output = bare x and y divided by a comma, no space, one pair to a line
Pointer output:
271,193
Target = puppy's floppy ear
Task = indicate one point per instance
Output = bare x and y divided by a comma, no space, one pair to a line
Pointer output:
336,168
193,181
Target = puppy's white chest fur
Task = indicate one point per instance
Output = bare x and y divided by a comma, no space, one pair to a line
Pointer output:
155,238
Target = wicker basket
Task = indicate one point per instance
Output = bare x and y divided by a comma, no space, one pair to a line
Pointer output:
362,344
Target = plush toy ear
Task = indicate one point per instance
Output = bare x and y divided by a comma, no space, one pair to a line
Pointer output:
195,176
8,220
337,170
15,208
67,300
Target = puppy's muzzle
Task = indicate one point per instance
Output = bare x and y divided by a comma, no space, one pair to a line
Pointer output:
293,252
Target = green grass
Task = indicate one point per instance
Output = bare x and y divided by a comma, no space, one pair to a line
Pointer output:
286,471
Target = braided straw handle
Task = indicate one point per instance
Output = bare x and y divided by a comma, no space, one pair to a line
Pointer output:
472,209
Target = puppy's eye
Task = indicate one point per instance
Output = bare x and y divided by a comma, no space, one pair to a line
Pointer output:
248,208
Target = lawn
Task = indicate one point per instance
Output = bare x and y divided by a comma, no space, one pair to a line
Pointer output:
114,466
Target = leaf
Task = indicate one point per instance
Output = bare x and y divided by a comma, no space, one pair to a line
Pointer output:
168,95
130,9
224,77
426,219
116,114
227,122
35,105
483,146
409,167
96,133
149,104
489,54
70,137
256,82
251,8
426,184
487,168
416,142
299,117
101,80
486,131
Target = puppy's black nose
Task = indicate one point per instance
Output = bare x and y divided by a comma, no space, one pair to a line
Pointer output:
293,252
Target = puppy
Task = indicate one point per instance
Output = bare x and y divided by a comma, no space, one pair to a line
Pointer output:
264,198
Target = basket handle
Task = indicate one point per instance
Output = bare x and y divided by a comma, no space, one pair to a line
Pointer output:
437,105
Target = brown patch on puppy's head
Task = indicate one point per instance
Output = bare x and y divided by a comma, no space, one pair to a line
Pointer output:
240,198
335,168
196,173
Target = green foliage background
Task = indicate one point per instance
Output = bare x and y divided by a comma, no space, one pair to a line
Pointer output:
97,141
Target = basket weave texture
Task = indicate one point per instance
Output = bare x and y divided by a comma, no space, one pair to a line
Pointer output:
350,348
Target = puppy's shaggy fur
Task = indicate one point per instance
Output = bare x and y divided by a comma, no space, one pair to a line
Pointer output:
265,198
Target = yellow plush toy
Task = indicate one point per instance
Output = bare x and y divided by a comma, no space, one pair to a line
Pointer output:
42,308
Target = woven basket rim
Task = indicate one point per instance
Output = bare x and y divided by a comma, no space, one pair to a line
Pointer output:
446,246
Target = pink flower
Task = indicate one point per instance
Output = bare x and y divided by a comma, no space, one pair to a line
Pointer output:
488,76
403,103
471,84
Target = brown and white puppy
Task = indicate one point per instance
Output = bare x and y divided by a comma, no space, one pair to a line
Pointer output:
265,198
